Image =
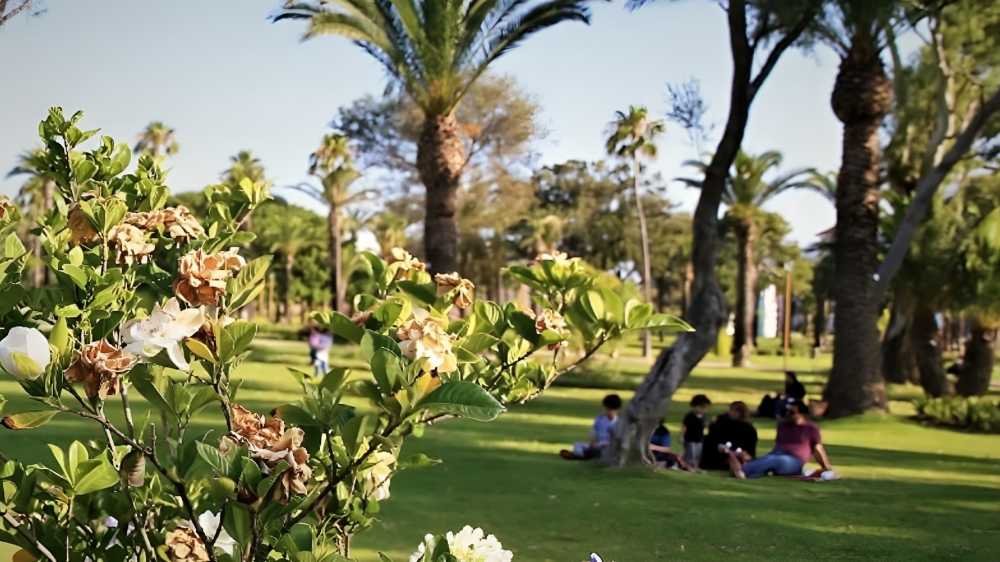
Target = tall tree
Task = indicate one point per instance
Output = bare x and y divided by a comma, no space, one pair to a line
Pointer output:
631,137
36,196
753,26
859,31
745,194
287,236
158,141
332,164
435,50
9,9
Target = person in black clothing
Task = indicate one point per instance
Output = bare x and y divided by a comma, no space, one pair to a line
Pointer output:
775,406
732,431
693,430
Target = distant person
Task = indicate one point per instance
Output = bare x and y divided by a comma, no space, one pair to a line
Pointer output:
659,445
320,342
731,431
693,430
774,406
797,440
600,434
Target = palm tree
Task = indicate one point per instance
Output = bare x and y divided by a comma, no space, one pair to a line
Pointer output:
862,94
435,51
632,136
288,238
745,193
157,141
333,165
390,231
36,197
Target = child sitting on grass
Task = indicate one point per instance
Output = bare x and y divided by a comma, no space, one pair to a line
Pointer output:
659,445
600,434
693,430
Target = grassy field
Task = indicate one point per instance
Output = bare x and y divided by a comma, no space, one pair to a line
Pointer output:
907,492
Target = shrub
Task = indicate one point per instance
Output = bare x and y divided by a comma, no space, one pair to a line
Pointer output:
145,301
973,414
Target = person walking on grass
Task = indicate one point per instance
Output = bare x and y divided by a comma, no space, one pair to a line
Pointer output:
693,430
320,342
600,434
797,440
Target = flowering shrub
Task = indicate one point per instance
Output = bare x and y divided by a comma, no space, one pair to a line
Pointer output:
144,303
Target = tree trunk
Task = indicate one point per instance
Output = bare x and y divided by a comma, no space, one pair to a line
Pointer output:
289,263
707,307
819,323
440,158
977,365
927,352
746,292
899,366
861,97
647,344
336,262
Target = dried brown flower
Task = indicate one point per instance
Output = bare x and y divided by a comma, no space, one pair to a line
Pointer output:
406,262
79,227
4,205
98,367
183,545
447,282
551,320
178,221
130,244
270,443
361,318
202,277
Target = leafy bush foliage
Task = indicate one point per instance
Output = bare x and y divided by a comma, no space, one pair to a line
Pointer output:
145,301
974,414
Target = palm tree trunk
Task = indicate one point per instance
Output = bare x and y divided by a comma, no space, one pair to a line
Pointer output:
861,97
899,366
289,263
440,158
647,293
977,365
336,261
746,293
927,351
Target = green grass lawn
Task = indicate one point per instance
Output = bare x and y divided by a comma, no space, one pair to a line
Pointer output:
907,492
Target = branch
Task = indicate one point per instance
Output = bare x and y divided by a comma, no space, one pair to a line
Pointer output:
925,191
28,536
779,49
17,10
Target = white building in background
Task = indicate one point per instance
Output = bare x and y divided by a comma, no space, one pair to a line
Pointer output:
767,313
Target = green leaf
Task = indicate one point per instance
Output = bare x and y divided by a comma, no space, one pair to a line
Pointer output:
242,333
613,306
335,379
13,248
421,292
387,370
28,420
464,399
250,276
295,415
201,398
78,276
152,385
93,475
59,336
214,457
478,342
388,312
593,305
419,460
200,350
523,325
265,485
464,356
373,341
354,432
340,325
637,314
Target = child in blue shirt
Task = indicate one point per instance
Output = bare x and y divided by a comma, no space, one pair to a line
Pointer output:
600,434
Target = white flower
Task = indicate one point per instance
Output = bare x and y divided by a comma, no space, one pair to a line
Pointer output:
469,545
425,336
163,329
379,475
28,347
210,523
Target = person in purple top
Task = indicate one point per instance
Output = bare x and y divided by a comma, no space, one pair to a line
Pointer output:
797,440
320,342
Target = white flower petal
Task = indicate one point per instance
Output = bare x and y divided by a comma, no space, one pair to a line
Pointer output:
177,356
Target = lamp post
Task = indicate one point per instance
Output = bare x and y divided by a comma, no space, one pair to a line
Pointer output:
789,265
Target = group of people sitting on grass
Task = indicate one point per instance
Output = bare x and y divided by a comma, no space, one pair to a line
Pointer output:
729,444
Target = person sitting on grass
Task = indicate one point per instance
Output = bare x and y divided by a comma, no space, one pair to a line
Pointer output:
730,431
600,434
693,430
659,445
797,440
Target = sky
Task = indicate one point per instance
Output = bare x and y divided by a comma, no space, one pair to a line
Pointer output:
227,79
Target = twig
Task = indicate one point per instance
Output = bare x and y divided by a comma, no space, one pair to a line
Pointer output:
123,389
29,536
